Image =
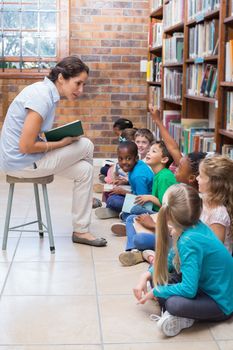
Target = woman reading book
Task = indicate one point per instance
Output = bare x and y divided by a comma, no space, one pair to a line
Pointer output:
23,153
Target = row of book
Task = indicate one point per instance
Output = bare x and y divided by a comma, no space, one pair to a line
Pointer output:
174,48
173,84
227,150
203,39
154,70
229,111
173,13
154,97
229,61
201,80
155,4
192,135
155,38
198,8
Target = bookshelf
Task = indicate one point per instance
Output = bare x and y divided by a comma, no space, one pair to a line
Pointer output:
204,27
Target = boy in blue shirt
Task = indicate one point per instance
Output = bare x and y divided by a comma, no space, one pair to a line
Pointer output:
140,180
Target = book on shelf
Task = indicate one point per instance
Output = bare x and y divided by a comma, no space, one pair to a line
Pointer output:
129,203
173,84
173,48
199,8
169,116
203,39
173,13
229,61
229,111
157,34
156,4
70,129
227,150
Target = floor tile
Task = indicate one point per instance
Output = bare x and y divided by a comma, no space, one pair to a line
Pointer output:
36,249
54,278
133,322
52,347
112,278
222,330
165,346
49,320
225,345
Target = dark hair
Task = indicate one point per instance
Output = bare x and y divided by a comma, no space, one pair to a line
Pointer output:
194,160
128,134
165,152
69,67
122,124
130,145
146,133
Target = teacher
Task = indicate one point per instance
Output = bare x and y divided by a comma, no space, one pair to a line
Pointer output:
23,153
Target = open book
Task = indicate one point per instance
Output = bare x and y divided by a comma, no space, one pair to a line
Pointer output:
70,129
129,203
140,228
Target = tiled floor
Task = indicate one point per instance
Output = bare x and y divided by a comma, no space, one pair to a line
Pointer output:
80,298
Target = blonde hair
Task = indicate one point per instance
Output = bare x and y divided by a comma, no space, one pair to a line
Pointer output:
182,207
219,170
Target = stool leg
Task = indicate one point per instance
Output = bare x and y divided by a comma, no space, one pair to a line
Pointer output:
38,210
48,217
8,215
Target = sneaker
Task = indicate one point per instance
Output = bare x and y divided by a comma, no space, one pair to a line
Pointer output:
96,203
131,258
106,213
119,229
171,325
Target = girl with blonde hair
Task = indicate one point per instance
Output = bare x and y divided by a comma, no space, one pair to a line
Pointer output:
215,181
194,280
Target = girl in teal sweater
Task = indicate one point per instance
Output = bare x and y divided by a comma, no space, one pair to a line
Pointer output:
194,280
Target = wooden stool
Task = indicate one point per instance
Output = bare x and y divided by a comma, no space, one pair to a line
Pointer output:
41,226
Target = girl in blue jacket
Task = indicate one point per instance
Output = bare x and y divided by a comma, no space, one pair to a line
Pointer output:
194,280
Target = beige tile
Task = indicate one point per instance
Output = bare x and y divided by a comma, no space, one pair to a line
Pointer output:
112,278
4,269
165,346
54,278
49,320
225,345
123,320
222,330
52,347
8,254
36,249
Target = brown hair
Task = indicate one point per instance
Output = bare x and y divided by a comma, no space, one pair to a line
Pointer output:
182,207
146,133
69,67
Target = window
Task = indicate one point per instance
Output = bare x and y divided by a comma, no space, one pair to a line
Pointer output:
32,35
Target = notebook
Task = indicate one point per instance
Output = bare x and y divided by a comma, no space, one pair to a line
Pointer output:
129,203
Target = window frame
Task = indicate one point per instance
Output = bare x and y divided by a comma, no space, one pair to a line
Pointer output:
62,48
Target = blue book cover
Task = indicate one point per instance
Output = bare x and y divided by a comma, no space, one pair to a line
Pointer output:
129,203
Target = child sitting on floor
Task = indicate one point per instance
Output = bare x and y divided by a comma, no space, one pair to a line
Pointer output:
143,139
195,280
140,180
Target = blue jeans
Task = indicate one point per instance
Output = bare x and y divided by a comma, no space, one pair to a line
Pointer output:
140,241
115,202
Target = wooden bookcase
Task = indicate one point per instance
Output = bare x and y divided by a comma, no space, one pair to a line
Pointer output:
196,106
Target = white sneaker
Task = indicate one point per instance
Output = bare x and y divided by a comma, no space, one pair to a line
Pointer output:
171,325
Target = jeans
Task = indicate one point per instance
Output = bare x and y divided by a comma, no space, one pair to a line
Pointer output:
140,241
202,307
115,202
136,210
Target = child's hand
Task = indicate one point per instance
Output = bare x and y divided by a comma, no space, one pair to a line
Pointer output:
146,297
155,113
142,199
146,221
120,181
140,290
118,190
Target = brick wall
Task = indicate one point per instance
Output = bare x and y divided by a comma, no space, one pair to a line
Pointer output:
111,38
